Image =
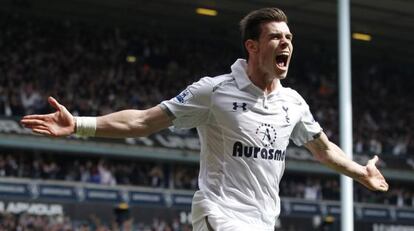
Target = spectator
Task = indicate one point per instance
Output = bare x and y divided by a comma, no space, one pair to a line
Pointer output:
106,176
157,176
30,98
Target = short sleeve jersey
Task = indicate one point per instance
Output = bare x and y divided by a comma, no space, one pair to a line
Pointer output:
244,135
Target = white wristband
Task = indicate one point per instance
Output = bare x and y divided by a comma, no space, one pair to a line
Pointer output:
85,126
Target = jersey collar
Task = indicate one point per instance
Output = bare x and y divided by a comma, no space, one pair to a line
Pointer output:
238,70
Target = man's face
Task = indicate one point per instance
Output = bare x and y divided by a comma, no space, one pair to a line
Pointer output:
275,49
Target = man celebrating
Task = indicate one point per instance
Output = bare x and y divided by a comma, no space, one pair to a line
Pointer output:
244,119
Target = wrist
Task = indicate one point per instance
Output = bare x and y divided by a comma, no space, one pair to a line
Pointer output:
73,125
85,126
362,174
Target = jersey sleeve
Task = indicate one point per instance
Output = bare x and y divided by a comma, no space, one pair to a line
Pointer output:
191,107
306,128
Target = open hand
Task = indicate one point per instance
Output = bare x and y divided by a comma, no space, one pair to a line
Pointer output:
59,123
374,180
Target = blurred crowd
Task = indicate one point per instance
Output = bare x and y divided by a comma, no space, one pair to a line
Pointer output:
97,170
94,69
113,171
328,188
28,222
98,69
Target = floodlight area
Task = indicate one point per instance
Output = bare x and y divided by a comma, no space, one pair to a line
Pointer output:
206,12
361,37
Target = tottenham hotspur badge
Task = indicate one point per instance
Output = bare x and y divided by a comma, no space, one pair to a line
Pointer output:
287,118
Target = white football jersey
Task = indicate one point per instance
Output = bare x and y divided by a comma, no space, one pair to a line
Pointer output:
244,135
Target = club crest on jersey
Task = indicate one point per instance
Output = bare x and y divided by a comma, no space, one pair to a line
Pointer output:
267,133
286,109
184,96
242,106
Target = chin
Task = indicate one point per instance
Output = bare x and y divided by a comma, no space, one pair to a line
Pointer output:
282,75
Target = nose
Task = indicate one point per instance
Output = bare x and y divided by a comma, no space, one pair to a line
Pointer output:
285,37
284,42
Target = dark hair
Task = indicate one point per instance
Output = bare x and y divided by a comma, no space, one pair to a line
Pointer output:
250,25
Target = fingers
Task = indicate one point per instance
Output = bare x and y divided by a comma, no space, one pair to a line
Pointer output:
42,131
54,103
383,187
378,184
33,120
34,117
376,179
38,128
35,127
373,161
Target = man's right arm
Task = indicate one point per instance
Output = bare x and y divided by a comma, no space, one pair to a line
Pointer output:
132,123
127,123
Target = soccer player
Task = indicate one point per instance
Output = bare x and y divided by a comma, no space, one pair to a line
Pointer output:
244,119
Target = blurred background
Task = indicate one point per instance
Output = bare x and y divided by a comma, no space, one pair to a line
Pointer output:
97,57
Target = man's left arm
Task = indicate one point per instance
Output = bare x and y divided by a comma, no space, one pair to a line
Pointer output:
332,156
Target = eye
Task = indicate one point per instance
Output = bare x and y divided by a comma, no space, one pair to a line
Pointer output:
276,36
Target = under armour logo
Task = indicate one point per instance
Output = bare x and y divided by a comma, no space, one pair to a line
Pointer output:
242,105
287,115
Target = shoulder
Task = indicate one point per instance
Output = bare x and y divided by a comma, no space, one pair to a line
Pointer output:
217,81
206,86
291,94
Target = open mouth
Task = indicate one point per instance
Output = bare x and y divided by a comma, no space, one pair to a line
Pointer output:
282,60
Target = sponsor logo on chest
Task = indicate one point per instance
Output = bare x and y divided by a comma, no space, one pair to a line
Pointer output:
240,150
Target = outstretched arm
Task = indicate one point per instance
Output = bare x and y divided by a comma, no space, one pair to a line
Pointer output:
331,155
127,123
132,123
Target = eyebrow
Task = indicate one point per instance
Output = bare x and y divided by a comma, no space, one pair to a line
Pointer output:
271,34
278,35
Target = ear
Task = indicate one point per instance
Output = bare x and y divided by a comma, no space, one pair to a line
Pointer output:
252,46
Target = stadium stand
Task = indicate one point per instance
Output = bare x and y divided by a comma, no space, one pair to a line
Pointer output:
111,172
89,72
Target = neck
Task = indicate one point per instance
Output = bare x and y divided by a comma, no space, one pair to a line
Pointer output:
262,80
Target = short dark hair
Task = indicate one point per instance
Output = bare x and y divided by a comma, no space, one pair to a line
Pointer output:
250,25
